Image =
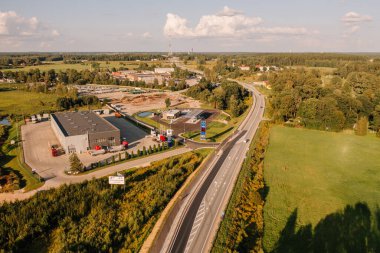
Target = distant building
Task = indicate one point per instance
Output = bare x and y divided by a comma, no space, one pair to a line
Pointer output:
171,114
7,80
163,70
267,68
123,74
245,68
81,131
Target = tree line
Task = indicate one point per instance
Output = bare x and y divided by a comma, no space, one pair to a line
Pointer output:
94,216
11,60
335,103
225,96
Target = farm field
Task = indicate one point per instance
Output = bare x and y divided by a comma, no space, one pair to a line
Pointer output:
57,66
23,102
311,174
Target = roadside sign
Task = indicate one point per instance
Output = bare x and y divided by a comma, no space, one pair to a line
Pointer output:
203,130
116,180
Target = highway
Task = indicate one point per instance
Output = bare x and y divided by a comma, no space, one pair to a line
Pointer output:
198,222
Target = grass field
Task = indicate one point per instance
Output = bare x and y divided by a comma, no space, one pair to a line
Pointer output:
317,173
87,65
12,159
23,102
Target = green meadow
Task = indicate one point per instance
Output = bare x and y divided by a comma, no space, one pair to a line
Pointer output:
312,174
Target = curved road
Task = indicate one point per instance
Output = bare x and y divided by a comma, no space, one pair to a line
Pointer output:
199,221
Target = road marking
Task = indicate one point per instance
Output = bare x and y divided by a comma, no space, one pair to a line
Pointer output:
197,223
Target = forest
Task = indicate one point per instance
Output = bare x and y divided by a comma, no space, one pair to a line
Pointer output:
98,76
11,60
226,96
335,103
94,216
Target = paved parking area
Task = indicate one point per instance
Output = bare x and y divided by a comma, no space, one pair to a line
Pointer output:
37,140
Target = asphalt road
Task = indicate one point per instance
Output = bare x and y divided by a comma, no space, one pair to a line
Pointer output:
199,222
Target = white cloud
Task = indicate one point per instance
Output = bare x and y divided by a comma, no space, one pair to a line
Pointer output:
352,20
146,35
12,24
18,29
55,33
353,17
227,23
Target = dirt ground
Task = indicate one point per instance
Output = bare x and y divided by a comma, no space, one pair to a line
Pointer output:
133,103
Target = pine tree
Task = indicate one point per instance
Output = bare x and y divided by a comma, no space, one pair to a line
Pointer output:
75,164
144,150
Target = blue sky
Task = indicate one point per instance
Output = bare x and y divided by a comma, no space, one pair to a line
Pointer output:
147,25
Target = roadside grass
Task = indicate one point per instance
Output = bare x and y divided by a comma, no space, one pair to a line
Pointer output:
248,79
241,227
14,160
317,173
60,66
117,162
22,102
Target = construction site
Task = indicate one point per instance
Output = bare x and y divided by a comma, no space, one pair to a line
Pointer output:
133,103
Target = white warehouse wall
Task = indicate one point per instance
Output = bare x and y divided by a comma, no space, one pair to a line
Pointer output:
80,142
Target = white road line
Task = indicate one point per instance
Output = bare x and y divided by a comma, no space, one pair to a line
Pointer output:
197,222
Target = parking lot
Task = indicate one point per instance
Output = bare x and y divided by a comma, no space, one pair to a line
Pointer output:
136,137
37,139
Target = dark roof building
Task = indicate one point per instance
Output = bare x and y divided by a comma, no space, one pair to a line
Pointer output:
80,131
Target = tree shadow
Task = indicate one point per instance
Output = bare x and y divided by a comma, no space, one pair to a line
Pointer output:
352,230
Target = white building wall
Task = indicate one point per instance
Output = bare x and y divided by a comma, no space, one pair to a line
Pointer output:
58,133
79,142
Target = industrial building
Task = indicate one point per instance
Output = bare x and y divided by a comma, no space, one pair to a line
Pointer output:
171,114
81,131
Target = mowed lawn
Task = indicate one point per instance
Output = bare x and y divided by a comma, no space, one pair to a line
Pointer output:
317,173
23,102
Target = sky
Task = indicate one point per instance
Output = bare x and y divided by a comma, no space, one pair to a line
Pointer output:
198,25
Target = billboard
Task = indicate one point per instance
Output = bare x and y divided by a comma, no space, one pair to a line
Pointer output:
116,180
203,130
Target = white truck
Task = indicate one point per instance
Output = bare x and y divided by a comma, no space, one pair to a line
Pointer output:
97,152
116,148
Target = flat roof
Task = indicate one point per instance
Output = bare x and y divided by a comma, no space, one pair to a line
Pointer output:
173,111
83,122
